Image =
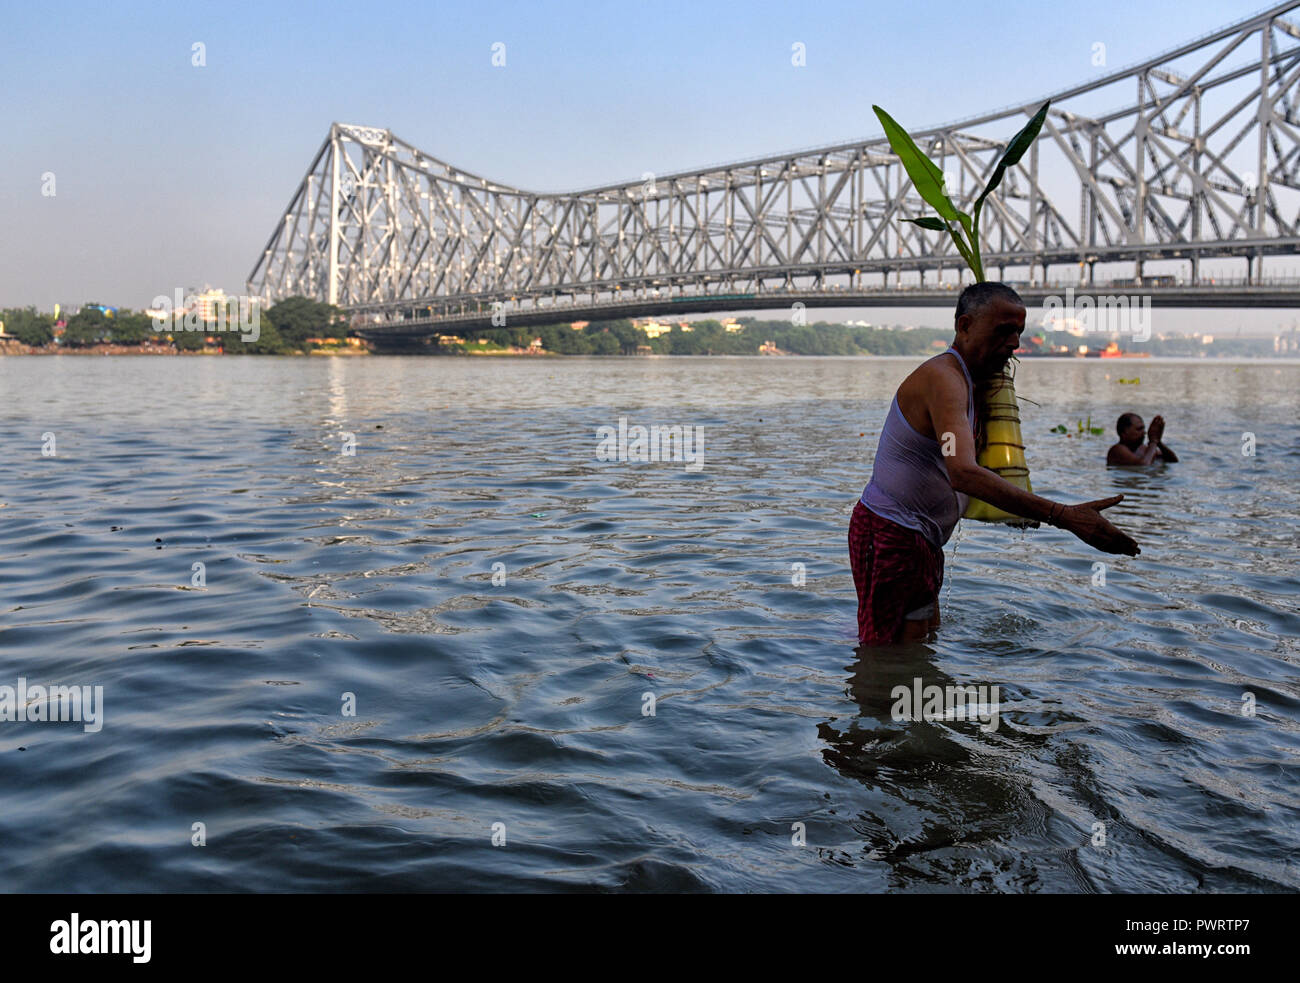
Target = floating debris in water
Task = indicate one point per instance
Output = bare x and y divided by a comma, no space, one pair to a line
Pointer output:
1081,428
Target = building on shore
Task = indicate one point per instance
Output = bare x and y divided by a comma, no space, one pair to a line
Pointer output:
651,327
9,343
207,303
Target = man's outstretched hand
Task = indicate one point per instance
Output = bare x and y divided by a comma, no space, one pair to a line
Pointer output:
1087,522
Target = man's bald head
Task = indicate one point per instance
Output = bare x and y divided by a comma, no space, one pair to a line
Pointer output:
978,296
987,326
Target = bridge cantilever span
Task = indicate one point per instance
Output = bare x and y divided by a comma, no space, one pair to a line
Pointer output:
1203,164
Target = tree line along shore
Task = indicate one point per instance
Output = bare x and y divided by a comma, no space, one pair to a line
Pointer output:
299,325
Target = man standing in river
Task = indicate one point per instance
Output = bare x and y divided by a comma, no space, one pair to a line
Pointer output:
925,471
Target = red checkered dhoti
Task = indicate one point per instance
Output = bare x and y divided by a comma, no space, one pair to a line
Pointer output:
896,571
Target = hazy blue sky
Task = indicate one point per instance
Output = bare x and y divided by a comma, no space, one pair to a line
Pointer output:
173,175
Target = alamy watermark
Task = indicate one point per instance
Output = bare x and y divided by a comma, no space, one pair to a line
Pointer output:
651,444
53,704
102,936
229,313
934,702
1121,313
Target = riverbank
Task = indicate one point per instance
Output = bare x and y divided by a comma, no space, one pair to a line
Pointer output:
523,353
17,348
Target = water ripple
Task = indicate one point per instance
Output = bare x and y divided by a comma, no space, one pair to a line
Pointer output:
635,677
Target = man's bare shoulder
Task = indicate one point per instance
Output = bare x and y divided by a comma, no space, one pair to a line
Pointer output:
935,376
935,383
1121,456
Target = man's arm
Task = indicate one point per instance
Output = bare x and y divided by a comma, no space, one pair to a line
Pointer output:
946,403
1123,457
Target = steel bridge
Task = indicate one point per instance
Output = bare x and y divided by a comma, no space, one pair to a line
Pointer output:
1201,163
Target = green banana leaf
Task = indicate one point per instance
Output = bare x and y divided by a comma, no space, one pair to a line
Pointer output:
1020,143
929,183
925,175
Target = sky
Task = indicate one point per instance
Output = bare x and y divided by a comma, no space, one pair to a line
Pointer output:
168,174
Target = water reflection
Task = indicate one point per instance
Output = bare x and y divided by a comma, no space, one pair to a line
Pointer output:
941,784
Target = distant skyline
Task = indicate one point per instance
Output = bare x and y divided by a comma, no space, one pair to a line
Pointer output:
168,174
1164,320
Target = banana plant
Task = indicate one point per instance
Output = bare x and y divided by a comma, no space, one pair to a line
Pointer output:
929,183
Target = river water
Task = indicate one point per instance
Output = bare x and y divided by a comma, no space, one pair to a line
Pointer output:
472,655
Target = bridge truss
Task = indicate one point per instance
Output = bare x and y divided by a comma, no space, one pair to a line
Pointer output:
1203,161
